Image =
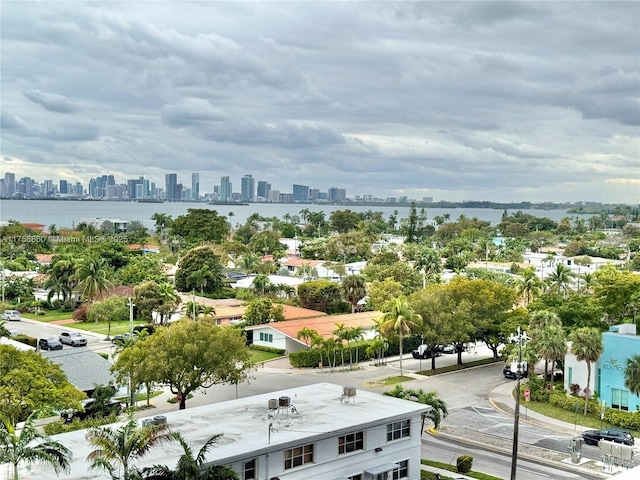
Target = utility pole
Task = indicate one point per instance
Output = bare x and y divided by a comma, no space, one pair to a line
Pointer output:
520,337
132,393
131,305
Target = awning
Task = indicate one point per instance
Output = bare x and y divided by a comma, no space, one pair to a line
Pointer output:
378,469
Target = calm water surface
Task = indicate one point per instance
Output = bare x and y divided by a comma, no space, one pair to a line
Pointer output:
70,213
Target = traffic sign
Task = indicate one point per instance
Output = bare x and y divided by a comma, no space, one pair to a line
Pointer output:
527,394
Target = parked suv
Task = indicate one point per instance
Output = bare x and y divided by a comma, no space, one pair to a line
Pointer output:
72,338
424,352
49,344
11,315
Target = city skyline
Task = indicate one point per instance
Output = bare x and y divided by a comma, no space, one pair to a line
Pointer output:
501,101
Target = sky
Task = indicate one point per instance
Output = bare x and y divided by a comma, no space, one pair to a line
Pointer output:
476,100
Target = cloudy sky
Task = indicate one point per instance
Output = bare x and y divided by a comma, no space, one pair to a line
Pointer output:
502,101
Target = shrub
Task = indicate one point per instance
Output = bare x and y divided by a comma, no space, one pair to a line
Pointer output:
27,340
305,358
278,351
464,463
59,426
80,315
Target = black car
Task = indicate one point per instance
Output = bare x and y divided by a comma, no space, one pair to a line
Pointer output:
424,352
617,435
90,409
508,373
121,338
49,344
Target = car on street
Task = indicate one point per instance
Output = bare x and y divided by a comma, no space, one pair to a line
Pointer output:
11,315
617,435
91,409
49,344
423,352
448,349
121,338
72,338
511,371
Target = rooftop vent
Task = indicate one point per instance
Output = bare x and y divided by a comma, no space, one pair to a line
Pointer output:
348,395
284,401
273,403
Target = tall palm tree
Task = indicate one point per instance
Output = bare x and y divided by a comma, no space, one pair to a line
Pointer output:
201,277
168,300
551,346
587,347
632,374
92,278
529,286
560,279
30,446
190,468
341,332
307,334
58,287
400,320
354,289
355,334
115,448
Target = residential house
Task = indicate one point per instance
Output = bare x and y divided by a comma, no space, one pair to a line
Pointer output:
84,368
282,335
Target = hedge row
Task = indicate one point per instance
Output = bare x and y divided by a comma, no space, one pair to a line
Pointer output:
313,356
278,351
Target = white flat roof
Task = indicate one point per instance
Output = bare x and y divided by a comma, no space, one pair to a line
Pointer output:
317,412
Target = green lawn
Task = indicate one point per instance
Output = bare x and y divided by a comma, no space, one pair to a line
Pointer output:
452,468
592,420
120,326
259,356
49,316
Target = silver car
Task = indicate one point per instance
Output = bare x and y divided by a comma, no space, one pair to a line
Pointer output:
11,315
72,338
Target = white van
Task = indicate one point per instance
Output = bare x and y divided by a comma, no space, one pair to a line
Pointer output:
11,315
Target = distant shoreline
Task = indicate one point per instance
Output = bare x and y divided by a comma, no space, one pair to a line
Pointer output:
452,205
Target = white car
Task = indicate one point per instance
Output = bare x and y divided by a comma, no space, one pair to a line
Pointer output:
72,338
11,315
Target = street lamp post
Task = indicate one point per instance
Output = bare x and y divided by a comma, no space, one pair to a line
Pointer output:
521,338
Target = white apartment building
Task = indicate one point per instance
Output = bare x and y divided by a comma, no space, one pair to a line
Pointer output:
317,432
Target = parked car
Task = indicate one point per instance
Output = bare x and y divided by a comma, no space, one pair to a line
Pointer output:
511,371
121,338
49,344
11,315
72,338
617,435
90,409
424,352
448,349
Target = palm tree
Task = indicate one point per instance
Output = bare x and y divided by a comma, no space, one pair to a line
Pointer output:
121,447
190,468
4,331
439,407
341,333
355,335
162,221
560,279
551,346
58,287
307,335
632,374
529,286
401,320
587,347
168,300
201,277
92,278
354,289
30,446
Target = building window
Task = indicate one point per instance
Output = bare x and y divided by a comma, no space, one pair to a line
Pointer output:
620,399
351,443
402,471
298,456
398,430
266,337
355,477
250,470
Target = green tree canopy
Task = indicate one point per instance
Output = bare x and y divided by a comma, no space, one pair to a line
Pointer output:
29,382
190,355
107,310
262,310
587,346
193,261
321,295
200,225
